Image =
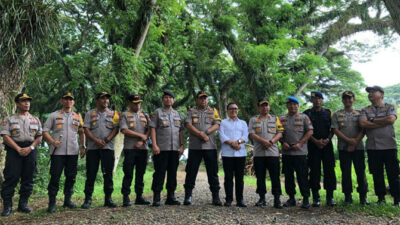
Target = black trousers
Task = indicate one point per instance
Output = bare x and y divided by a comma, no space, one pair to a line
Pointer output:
68,163
377,159
165,162
261,165
192,167
18,167
134,158
315,157
298,164
358,158
233,167
93,159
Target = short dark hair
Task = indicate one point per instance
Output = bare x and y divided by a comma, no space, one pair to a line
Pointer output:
229,104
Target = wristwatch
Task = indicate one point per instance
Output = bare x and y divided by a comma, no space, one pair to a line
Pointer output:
240,141
371,119
32,148
207,132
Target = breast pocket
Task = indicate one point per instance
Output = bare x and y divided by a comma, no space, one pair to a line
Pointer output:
94,123
15,130
109,123
195,120
59,124
272,128
33,128
75,124
300,128
257,128
177,122
164,122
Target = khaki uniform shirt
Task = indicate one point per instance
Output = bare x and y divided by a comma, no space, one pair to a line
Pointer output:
202,120
22,128
347,123
384,137
137,122
265,129
167,123
64,127
101,124
295,127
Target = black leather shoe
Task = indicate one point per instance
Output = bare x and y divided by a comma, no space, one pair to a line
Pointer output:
156,199
24,209
52,207
290,202
108,202
330,202
188,200
305,204
261,202
381,200
348,200
241,203
215,199
141,201
87,203
277,203
172,201
7,210
228,203
126,201
316,202
363,199
68,203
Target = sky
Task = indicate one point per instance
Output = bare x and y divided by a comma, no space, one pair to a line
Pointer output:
383,69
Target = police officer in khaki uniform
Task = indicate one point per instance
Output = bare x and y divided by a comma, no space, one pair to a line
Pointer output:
351,148
202,121
298,130
378,120
21,133
134,125
320,150
168,143
65,126
265,130
101,127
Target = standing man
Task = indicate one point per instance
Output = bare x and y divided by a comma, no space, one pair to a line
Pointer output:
100,126
21,133
233,134
351,148
134,125
320,149
65,125
378,120
168,143
297,131
202,121
265,130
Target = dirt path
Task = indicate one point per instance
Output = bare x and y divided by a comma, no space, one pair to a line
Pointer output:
201,212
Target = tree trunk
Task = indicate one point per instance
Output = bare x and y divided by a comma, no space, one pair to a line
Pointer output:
393,6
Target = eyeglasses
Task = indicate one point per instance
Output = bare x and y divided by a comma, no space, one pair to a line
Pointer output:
233,109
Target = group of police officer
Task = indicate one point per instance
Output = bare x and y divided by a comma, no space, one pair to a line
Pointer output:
305,139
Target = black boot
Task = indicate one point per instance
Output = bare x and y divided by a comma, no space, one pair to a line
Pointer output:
316,199
329,199
52,204
363,199
87,203
140,200
68,203
277,202
156,199
215,199
7,208
290,202
171,200
261,202
108,202
348,199
23,206
126,201
305,204
188,198
381,200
